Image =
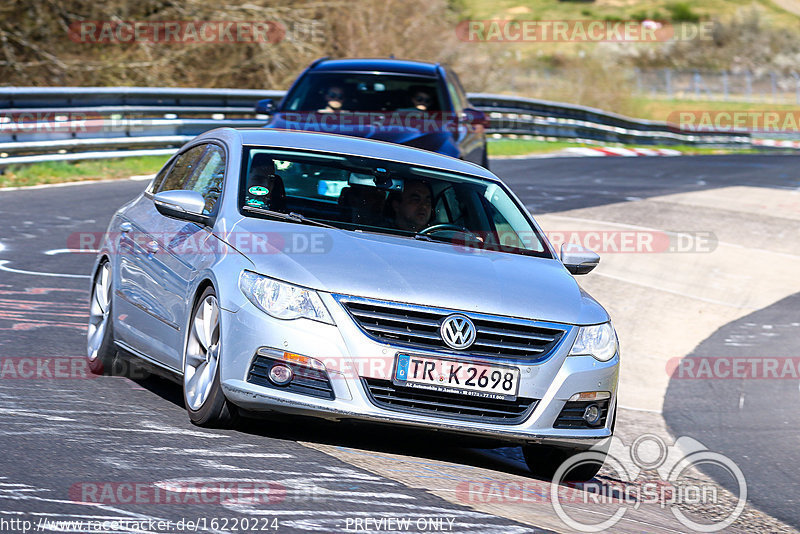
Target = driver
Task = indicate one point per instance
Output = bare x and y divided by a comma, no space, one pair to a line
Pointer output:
413,207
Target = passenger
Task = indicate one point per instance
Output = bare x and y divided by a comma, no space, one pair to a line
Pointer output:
334,99
421,100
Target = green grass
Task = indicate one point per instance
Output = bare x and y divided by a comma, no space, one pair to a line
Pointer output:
54,172
524,147
520,147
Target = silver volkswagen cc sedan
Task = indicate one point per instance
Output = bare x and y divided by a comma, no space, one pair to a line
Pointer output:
351,279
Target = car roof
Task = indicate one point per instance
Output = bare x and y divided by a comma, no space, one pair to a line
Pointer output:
401,66
343,144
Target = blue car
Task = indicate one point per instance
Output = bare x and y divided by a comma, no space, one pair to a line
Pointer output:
421,105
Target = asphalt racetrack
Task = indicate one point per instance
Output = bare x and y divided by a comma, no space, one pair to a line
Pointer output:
725,285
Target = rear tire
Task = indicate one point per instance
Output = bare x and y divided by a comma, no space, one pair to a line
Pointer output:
101,352
202,393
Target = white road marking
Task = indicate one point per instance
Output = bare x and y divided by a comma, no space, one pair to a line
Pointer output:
3,267
26,413
645,410
227,454
68,184
671,291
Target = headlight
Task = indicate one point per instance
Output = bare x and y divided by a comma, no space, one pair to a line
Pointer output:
599,341
282,300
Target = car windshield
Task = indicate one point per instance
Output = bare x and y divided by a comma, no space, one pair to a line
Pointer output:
371,195
338,91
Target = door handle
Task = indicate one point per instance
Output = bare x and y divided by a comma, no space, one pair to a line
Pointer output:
125,227
152,247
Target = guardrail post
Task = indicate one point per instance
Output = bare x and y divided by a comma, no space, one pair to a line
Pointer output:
668,81
796,86
725,85
774,83
748,80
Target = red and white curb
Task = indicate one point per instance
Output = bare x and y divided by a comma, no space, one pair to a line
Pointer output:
617,151
779,143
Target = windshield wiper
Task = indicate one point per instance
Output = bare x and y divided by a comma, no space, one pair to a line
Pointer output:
292,217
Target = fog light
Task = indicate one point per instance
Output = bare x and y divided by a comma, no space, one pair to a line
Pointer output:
592,414
280,375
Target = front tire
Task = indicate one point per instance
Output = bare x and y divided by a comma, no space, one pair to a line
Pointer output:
101,352
202,394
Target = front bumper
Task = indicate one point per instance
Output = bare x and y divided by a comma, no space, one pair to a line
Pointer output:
349,355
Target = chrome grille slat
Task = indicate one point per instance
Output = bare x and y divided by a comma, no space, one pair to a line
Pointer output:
510,333
497,337
402,332
395,318
512,346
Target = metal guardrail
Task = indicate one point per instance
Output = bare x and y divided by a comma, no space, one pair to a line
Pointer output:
61,122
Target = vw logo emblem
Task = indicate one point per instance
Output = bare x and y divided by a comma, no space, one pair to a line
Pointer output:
457,331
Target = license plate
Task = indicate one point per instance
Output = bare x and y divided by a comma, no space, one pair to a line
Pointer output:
457,376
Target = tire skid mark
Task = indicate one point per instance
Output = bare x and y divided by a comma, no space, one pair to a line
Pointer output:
31,313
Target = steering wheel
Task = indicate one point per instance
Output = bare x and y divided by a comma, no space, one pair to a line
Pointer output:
452,227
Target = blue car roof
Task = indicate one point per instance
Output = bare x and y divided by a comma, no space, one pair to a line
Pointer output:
401,66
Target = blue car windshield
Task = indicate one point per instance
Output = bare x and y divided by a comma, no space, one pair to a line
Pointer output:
365,194
338,91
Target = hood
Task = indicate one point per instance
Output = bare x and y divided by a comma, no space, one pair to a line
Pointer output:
420,272
432,133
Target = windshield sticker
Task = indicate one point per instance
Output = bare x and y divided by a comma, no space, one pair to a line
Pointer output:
256,203
258,190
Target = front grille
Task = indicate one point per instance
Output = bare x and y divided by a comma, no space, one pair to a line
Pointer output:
572,414
384,394
419,327
306,381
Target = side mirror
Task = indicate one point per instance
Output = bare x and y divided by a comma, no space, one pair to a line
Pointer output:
578,260
265,107
182,204
475,117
